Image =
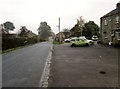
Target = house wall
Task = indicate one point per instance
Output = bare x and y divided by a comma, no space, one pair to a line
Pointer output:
109,27
116,25
105,29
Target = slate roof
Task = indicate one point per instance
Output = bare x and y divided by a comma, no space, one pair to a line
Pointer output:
115,11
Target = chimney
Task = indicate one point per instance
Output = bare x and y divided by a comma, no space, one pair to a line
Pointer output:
118,5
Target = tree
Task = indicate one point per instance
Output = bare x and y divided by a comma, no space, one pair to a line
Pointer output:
44,31
23,31
91,29
8,26
75,31
78,28
80,23
1,29
66,30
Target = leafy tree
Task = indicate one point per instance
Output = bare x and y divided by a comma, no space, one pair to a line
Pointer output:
78,28
8,26
75,31
66,30
44,31
91,29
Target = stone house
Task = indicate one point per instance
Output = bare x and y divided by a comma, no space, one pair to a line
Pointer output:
62,36
110,26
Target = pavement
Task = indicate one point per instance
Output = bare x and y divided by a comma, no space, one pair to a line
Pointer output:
94,66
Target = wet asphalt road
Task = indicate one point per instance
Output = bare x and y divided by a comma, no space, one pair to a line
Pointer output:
24,67
94,66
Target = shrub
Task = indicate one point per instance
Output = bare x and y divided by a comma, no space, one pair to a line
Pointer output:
10,42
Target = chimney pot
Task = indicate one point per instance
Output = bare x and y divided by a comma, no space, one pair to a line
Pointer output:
118,5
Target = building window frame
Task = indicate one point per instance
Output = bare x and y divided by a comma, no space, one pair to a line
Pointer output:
105,22
104,32
117,19
118,35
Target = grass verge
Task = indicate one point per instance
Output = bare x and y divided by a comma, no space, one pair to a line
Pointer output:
56,42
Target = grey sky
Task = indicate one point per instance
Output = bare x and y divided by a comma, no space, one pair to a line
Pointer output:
30,13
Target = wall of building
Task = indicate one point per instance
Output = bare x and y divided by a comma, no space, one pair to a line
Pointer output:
109,26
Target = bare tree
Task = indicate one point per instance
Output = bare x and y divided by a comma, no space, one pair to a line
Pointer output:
80,23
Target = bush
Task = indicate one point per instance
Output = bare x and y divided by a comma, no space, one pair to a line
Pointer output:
10,42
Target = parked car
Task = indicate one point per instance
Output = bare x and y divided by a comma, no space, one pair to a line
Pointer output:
94,37
90,41
79,42
67,40
84,38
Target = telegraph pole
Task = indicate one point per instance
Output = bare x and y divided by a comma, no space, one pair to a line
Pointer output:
59,32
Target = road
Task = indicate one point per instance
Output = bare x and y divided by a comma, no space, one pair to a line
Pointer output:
24,67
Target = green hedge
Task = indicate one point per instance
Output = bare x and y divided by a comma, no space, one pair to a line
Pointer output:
8,43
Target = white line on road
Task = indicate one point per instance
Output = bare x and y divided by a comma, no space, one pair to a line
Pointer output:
46,71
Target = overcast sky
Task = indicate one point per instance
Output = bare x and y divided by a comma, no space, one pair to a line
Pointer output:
30,13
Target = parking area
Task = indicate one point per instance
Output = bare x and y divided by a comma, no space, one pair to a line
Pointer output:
92,66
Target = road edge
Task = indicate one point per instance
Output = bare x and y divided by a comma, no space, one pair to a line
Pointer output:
46,71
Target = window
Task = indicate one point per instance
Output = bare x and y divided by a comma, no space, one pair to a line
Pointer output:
104,32
110,20
105,22
73,40
118,35
117,19
82,40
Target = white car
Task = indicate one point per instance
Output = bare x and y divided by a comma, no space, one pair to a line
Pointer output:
94,37
83,38
67,40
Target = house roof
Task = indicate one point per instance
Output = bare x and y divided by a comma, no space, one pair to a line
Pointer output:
115,11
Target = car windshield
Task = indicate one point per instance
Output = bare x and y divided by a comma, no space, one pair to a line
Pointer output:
73,40
77,39
82,40
95,36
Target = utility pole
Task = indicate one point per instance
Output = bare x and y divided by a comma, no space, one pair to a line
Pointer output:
59,32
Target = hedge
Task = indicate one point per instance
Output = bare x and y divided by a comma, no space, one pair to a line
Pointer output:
8,43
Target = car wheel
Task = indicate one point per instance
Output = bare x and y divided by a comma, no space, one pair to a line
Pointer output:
86,44
73,45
